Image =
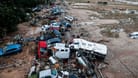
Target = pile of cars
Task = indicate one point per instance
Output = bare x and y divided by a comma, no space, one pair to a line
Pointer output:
58,57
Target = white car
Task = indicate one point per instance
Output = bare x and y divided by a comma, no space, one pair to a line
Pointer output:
49,73
44,27
69,18
55,24
63,74
133,35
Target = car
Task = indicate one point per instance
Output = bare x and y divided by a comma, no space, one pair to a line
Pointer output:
56,10
41,38
55,26
10,49
45,27
133,35
63,74
87,64
49,73
42,49
74,76
57,33
66,24
69,18
53,40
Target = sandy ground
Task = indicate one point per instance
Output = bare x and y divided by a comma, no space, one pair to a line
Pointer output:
22,61
122,56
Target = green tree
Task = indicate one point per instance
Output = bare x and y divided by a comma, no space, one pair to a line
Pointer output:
13,12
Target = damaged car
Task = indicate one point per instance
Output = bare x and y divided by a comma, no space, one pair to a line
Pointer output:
10,49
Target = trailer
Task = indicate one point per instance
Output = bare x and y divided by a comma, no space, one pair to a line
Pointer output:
99,50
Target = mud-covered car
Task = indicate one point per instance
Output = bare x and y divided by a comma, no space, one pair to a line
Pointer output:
10,49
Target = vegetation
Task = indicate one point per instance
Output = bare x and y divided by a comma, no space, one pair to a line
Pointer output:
13,12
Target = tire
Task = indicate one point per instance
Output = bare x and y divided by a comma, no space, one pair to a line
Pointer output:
72,47
78,55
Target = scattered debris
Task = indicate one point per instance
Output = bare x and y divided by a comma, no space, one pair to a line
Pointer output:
58,52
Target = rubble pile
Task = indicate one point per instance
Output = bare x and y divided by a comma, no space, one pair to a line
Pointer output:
58,52
61,54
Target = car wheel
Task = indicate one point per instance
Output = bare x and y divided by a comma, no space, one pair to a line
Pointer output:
78,54
72,47
134,38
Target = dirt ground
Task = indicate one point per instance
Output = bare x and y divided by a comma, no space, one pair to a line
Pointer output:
19,64
122,54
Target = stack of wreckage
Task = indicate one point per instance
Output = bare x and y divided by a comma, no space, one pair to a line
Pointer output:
57,57
60,57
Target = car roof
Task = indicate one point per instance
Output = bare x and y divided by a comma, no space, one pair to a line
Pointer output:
11,46
59,45
56,32
54,39
44,73
134,33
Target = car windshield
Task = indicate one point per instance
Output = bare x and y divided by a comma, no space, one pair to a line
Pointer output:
77,43
134,34
55,24
42,38
43,50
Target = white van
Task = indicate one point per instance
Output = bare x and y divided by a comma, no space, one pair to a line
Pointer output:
62,51
97,49
133,35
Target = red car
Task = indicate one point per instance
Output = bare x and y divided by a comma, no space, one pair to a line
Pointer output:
42,49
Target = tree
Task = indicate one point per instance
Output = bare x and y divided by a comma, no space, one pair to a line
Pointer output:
13,12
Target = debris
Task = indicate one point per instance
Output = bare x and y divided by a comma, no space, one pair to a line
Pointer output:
52,60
